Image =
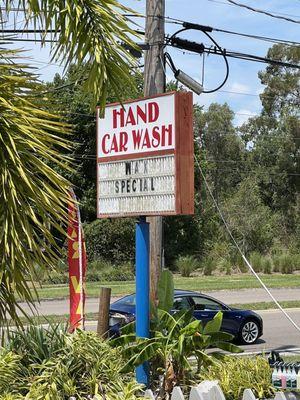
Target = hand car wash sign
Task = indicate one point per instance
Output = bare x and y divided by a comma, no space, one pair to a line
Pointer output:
145,157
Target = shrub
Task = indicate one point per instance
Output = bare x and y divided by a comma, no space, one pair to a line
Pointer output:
110,240
208,266
286,264
186,265
52,364
276,263
122,272
266,264
256,261
238,373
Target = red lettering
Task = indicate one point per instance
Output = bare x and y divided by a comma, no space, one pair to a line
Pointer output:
146,141
123,141
137,136
119,114
156,136
168,131
130,117
103,144
114,145
153,112
141,114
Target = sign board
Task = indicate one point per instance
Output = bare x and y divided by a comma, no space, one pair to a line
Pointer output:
145,157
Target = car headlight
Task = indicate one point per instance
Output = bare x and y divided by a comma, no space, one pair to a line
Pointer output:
118,318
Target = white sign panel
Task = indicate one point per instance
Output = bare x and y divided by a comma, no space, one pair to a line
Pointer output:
139,127
138,157
143,185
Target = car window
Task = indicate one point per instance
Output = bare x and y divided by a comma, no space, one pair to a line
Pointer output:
181,303
126,301
204,303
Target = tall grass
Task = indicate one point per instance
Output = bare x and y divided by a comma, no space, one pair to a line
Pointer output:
186,265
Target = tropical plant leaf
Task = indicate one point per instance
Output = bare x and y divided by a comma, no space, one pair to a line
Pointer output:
230,347
192,328
33,195
215,324
89,31
220,336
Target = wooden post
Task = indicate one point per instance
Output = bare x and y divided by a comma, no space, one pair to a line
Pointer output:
103,316
154,83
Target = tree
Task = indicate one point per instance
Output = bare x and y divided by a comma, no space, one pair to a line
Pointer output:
222,149
251,222
33,196
274,139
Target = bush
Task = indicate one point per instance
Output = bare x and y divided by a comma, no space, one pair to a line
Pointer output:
286,264
47,363
186,265
209,266
256,261
266,264
112,240
238,373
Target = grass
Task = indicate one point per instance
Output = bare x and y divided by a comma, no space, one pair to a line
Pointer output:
198,283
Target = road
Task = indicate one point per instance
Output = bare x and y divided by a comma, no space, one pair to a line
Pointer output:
279,333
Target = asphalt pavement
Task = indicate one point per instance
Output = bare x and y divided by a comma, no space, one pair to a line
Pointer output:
279,333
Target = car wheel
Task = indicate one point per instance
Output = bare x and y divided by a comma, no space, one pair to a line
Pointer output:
249,332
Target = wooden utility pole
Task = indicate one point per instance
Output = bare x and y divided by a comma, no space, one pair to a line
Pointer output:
103,316
154,83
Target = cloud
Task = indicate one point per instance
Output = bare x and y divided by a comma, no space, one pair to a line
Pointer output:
242,116
239,87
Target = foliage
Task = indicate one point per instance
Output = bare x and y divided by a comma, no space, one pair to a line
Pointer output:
256,261
235,374
33,196
165,291
174,341
110,240
175,338
186,265
90,31
53,365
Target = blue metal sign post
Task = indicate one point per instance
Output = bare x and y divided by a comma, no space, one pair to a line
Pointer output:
142,302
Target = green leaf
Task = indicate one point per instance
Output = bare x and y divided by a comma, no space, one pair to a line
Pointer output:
215,324
165,290
232,348
192,328
220,336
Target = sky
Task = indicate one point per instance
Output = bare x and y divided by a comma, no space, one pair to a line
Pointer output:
243,78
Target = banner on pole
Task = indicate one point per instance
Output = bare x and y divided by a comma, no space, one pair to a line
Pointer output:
145,157
77,262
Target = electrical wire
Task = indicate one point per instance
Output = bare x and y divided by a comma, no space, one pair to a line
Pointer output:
241,252
263,12
172,41
233,5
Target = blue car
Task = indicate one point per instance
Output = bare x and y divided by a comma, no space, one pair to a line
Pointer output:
245,325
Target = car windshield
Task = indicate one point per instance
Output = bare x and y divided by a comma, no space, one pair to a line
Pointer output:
126,301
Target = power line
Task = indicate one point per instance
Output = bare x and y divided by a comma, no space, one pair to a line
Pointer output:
270,14
229,4
248,35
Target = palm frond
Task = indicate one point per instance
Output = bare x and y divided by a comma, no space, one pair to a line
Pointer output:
89,31
33,196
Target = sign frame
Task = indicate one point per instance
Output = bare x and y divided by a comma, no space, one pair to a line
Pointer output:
183,154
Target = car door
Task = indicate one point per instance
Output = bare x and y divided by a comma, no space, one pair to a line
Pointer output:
205,308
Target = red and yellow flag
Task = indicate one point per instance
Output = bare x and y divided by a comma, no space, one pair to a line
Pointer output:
77,261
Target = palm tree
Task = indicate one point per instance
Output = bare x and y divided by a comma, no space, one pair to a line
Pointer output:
33,195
